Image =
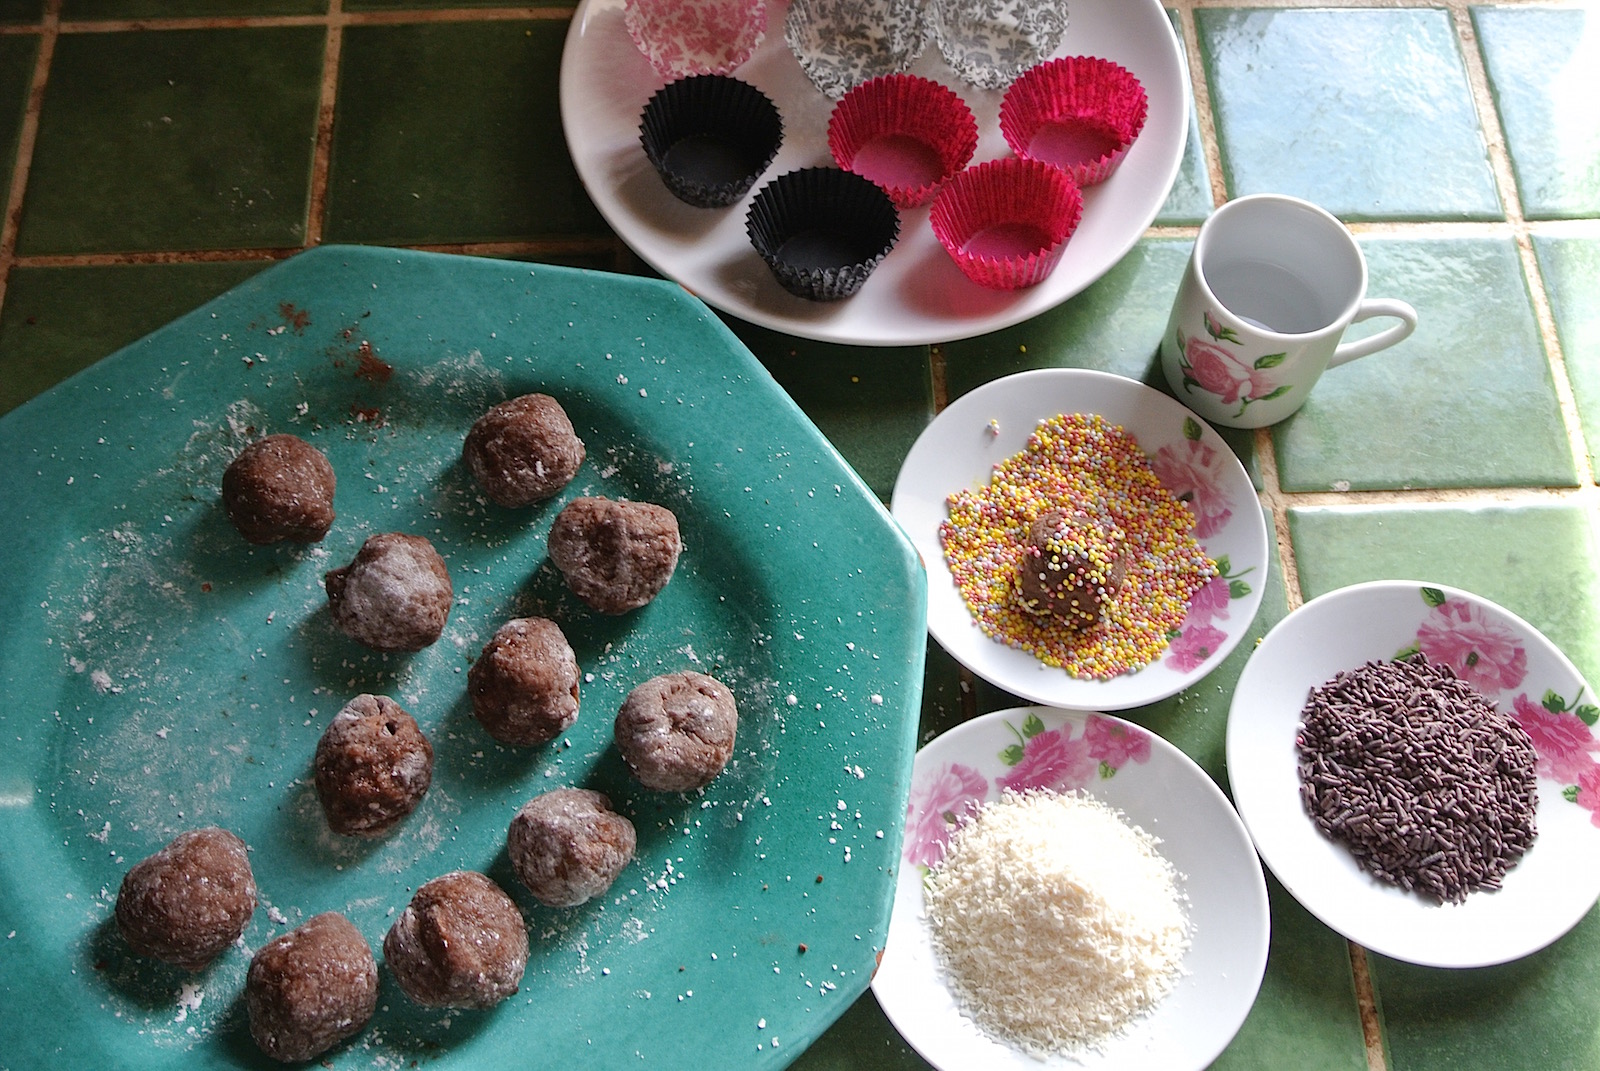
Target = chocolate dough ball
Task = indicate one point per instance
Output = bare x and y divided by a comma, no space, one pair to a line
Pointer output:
373,766
311,988
394,596
615,555
524,686
1072,563
568,846
675,732
190,900
523,450
278,488
460,943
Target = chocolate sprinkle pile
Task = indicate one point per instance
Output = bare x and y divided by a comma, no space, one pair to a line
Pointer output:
1419,776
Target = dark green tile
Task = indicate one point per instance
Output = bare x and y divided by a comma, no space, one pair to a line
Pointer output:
862,1038
192,139
449,132
1190,201
1113,326
870,402
90,10
1366,112
60,320
21,11
18,54
1544,69
1540,562
1571,270
423,5
1538,1012
1466,401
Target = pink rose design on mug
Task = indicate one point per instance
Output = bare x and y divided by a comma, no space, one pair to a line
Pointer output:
1216,370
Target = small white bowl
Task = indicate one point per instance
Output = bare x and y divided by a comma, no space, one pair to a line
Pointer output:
1156,787
1554,884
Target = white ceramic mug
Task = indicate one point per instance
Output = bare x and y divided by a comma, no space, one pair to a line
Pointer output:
1270,288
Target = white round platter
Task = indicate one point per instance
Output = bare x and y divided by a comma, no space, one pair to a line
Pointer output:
1555,883
1156,787
960,448
917,295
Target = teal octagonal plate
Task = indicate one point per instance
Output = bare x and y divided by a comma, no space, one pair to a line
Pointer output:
161,674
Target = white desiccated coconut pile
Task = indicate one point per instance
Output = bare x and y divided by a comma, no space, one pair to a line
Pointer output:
1057,923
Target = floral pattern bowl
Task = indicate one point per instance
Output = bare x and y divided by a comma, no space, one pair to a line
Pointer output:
982,428
1556,882
1156,787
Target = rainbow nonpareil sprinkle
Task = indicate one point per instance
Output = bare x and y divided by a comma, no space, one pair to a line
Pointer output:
1078,462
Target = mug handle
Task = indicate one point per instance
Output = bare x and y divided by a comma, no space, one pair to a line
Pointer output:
1361,347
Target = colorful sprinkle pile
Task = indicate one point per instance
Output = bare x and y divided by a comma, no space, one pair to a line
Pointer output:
1078,462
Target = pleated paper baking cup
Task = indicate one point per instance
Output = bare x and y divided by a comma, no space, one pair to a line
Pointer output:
1081,113
989,42
906,133
822,231
683,37
710,136
1006,222
842,43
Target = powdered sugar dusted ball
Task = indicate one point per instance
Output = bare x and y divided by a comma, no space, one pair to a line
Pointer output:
524,685
567,846
279,488
523,450
373,766
189,901
616,555
460,943
675,732
311,988
394,596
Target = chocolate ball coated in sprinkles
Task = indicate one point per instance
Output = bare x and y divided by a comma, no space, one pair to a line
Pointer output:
1071,564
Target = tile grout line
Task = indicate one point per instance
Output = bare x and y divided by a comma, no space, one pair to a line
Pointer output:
322,150
26,136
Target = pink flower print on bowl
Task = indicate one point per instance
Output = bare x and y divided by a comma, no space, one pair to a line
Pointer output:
936,807
1049,759
1193,473
1586,793
1463,636
1562,739
1192,646
1115,744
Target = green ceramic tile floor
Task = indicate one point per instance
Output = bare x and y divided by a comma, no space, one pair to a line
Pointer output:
154,153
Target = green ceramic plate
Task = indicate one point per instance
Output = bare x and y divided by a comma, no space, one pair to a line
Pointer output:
161,674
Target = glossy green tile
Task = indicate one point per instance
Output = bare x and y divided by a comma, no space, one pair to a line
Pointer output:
1541,562
1538,1012
18,54
1571,270
89,10
1113,326
862,1038
60,320
1544,70
209,134
1190,200
1366,112
449,132
1466,401
870,402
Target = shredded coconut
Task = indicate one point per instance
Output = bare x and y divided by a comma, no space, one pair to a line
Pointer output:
1057,923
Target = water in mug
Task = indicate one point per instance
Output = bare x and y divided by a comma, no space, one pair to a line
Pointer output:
1268,296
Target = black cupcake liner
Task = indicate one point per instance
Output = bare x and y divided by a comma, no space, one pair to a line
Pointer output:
822,231
710,137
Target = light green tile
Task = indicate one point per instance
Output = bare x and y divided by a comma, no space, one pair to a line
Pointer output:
1466,401
1571,270
1544,69
1366,112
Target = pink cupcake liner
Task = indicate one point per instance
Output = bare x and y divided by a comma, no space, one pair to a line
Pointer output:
683,37
906,133
1081,113
1006,222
